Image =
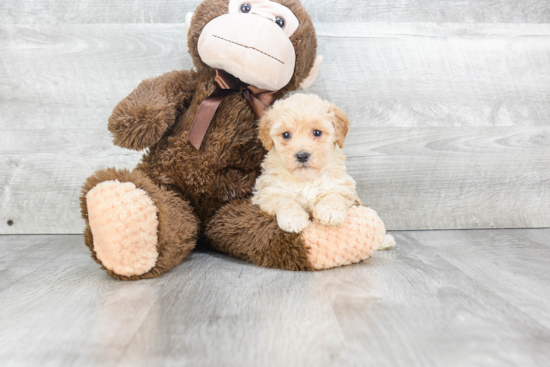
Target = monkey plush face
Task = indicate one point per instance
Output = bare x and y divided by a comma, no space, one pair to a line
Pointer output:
268,44
252,43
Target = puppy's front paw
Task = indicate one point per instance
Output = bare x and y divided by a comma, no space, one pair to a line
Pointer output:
292,223
330,216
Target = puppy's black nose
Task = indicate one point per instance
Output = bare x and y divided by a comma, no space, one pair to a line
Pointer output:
303,157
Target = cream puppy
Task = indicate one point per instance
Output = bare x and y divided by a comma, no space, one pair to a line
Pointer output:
304,174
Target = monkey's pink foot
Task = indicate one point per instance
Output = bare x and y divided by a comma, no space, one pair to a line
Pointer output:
356,240
124,224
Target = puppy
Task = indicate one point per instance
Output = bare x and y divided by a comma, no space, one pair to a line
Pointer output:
304,174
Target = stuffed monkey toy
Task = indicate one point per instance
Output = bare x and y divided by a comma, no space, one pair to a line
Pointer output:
199,130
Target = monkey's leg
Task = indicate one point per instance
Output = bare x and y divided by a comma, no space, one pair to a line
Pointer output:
134,228
242,230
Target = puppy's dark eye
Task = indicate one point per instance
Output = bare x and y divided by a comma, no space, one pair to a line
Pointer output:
287,136
280,22
245,8
317,133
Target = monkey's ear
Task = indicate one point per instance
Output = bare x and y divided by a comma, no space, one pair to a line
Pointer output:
308,82
265,128
188,18
341,124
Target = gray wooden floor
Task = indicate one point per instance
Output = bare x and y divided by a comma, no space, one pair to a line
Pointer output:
443,298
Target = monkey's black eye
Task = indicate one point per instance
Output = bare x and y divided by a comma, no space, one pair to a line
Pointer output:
245,8
287,136
317,133
280,22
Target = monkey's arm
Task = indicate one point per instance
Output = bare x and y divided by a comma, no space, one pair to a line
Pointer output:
142,118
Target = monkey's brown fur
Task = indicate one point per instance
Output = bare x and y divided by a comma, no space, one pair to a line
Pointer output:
242,230
188,186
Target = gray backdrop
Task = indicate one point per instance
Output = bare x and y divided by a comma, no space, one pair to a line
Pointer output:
450,102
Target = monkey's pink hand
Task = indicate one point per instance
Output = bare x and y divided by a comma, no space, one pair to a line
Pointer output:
355,240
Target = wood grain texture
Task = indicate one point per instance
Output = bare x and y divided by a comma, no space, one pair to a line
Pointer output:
391,75
518,272
438,299
417,75
451,121
453,178
62,77
173,11
430,178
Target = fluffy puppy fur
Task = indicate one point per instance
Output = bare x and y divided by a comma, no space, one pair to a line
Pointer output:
304,175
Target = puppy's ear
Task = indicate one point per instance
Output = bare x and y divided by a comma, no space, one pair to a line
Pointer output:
341,124
265,127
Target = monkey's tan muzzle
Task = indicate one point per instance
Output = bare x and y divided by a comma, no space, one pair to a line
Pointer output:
249,47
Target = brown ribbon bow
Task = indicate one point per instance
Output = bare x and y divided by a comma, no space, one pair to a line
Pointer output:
226,84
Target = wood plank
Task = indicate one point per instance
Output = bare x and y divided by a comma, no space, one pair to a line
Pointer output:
419,75
444,178
453,178
517,271
444,11
404,307
73,75
61,312
21,256
539,237
58,85
418,309
173,11
390,75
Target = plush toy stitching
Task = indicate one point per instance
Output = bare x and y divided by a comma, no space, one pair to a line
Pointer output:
252,48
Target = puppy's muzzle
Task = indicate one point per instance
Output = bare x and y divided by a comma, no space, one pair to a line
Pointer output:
303,157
